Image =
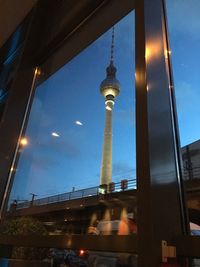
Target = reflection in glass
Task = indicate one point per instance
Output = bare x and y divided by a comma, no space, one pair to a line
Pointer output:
64,135
75,169
74,173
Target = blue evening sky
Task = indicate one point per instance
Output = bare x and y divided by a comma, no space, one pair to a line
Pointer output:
50,165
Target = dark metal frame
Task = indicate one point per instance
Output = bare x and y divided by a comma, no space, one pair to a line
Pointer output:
159,176
69,41
123,244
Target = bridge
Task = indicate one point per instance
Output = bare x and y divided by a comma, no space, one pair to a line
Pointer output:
71,212
123,185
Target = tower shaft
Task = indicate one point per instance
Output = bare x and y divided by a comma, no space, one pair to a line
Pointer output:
110,89
106,165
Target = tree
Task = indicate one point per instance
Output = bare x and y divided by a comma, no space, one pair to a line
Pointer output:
25,226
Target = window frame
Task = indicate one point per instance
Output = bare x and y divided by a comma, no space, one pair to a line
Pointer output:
85,32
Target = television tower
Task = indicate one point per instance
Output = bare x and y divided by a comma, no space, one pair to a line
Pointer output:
109,88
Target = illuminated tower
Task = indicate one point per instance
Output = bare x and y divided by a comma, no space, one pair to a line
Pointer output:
109,88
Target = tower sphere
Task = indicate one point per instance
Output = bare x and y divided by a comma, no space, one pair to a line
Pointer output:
110,87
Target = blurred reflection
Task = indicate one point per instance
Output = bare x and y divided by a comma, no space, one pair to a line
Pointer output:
123,224
84,258
62,151
153,49
105,226
92,229
24,141
56,257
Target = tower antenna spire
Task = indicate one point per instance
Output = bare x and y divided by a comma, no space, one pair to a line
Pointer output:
112,45
110,89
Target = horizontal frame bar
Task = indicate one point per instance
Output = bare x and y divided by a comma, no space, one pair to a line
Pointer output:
86,33
112,243
187,246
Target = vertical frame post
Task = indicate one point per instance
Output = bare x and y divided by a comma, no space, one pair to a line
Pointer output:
161,205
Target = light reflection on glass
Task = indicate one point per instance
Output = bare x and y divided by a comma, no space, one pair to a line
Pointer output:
24,141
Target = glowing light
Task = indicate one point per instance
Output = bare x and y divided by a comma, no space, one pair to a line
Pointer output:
110,91
24,141
79,123
11,169
167,52
147,52
109,101
82,252
69,242
55,134
102,190
153,49
123,228
108,108
37,71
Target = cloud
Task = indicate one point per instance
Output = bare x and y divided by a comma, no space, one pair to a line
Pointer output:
65,147
38,157
48,152
44,161
38,117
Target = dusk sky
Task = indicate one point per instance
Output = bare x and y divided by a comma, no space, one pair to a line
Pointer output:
184,33
50,165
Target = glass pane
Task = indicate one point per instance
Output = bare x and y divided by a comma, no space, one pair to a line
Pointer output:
184,40
75,170
7,72
9,64
65,131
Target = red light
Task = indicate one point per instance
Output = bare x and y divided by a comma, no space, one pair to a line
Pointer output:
82,252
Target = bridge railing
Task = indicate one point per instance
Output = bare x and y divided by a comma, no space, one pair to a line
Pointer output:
87,192
123,185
